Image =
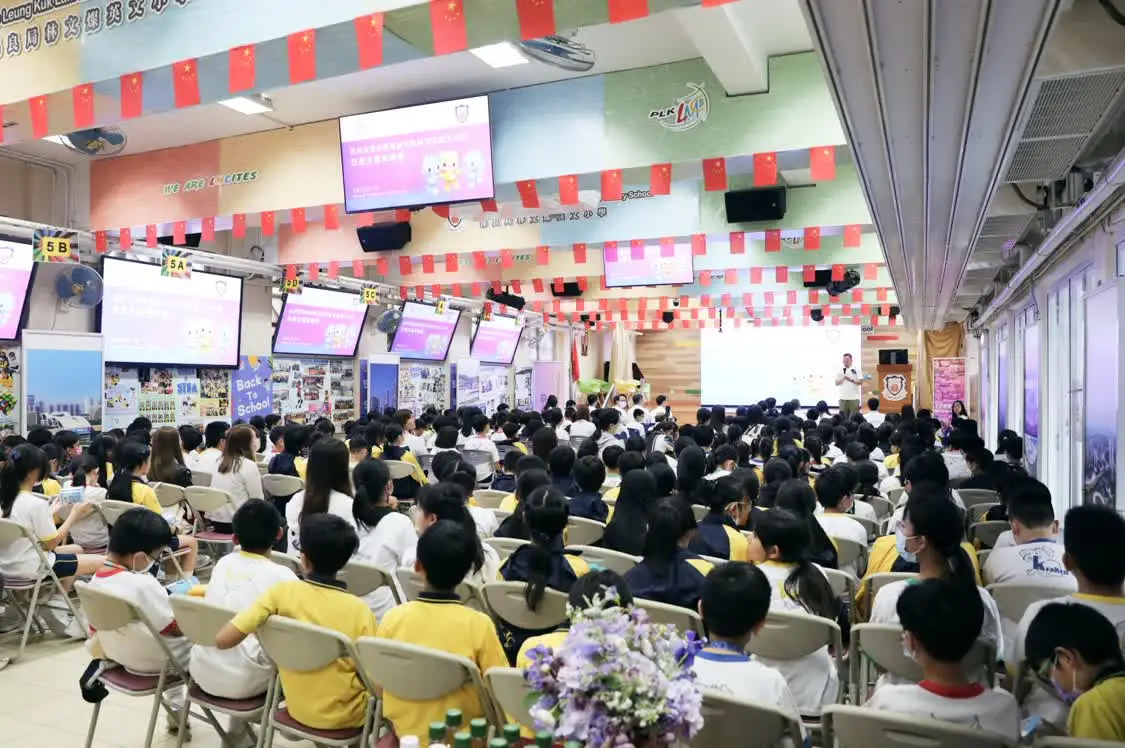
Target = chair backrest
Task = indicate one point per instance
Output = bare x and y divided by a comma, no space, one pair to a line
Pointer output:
13,532
730,720
895,494
505,546
200,478
106,611
364,578
413,583
876,582
970,497
476,457
700,511
684,619
426,461
302,647
488,498
111,509
204,499
883,507
881,643
582,531
415,673
506,601
1012,599
870,525
263,468
511,692
398,469
843,583
848,551
500,515
281,485
605,558
168,494
199,620
987,532
790,636
292,563
576,441
858,727
978,511
982,556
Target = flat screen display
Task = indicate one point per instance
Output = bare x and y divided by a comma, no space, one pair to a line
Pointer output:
650,265
147,318
16,270
421,155
423,333
320,322
496,340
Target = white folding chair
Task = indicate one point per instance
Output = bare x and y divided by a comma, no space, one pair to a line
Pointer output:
605,558
478,458
487,498
884,508
281,485
108,611
412,583
426,461
505,546
576,442
977,512
363,578
791,636
511,693
110,509
291,562
987,532
970,497
1013,599
895,495
684,619
857,727
507,603
582,531
872,526
849,552
202,500
872,584
700,511
399,469
982,556
731,720
843,584
200,478
169,495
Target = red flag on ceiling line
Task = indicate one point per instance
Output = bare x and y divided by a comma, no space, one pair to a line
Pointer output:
331,217
537,18
773,240
489,206
132,95
297,218
765,169
698,245
579,253
660,179
125,238
314,271
837,272
243,68
39,125
479,260
83,105
333,270
382,266
738,242
637,249
715,3
705,278
452,261
405,266
809,274
447,17
302,56
269,220
853,235
507,258
207,232
611,185
358,269
715,174
150,235
369,39
731,277
185,83
822,163
812,238
542,255
781,274
529,193
101,242
238,225
568,189
870,271
179,233
290,272
755,275
621,11
427,264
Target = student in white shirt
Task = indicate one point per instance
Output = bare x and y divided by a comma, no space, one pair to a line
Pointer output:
960,441
780,548
1037,555
553,417
237,580
236,473
480,441
447,500
406,420
582,427
659,410
90,531
328,489
387,538
734,602
941,621
832,494
464,475
873,416
214,440
927,467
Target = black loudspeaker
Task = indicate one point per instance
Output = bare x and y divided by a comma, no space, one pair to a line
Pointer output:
816,315
568,290
506,299
750,206
667,317
190,240
893,356
386,237
823,279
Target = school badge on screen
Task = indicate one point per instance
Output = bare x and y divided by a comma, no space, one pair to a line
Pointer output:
53,245
175,263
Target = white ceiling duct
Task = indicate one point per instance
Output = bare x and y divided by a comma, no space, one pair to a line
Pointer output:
929,92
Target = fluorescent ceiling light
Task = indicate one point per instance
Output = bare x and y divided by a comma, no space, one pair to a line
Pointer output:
248,104
57,139
501,55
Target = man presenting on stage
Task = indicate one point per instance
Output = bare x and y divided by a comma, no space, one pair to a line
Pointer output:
848,381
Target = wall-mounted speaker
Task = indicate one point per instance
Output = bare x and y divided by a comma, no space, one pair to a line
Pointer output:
750,206
667,317
568,290
386,237
816,315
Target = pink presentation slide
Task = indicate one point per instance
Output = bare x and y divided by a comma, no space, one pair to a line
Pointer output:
650,265
320,322
423,333
15,273
496,340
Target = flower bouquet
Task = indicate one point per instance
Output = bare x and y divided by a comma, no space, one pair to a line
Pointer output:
618,680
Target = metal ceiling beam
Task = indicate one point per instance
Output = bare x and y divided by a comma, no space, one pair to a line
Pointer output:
929,93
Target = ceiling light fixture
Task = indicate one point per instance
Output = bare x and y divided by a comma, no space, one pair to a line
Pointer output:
501,55
255,104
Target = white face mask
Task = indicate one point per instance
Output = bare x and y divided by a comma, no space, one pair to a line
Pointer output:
147,567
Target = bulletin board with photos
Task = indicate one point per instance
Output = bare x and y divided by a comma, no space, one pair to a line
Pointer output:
307,389
421,385
167,396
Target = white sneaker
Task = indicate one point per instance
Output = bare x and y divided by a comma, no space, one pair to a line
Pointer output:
76,629
55,615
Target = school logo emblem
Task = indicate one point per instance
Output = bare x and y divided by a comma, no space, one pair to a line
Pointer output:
461,111
454,223
894,387
687,112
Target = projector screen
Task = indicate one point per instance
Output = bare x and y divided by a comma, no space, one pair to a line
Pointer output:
423,333
320,322
652,265
496,340
743,365
16,270
149,319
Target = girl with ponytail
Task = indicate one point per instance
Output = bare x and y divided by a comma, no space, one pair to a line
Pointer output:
447,500
669,573
386,536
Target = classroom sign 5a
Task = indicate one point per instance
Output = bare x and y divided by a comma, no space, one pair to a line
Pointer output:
175,263
52,245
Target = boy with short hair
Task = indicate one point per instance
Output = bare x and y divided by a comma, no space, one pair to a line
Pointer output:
941,621
504,479
1037,556
438,620
610,456
586,501
523,464
832,493
333,697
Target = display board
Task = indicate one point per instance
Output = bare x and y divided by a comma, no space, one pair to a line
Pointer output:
523,398
382,386
304,390
421,384
167,396
62,381
251,393
951,383
9,390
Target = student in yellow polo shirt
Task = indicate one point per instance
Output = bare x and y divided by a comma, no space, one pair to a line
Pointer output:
525,463
438,620
333,697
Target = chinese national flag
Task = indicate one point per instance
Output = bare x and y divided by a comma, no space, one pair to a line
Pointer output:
83,104
705,278
297,217
185,83
756,275
150,235
812,238
698,245
568,190
269,222
369,39
557,287
809,274
516,286
837,272
773,240
660,179
179,233
403,292
420,292
507,258
857,295
853,235
452,261
537,18
402,215
822,163
731,277
715,174
580,253
302,56
529,193
790,298
358,270
207,230
781,274
611,185
333,270
238,225
621,11
542,255
39,125
870,271
765,169
489,206
290,272
243,68
132,95
479,260
101,242
582,285
537,285
447,17
455,290
404,265
880,294
738,242
314,271
331,217
382,267
428,264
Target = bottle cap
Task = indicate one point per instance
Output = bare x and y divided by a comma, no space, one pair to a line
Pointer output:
462,740
437,731
498,743
453,717
478,728
511,732
408,741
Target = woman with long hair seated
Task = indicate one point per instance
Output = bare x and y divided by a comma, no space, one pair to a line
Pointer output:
669,572
628,524
386,536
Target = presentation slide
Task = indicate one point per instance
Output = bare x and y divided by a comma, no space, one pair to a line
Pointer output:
742,365
422,155
15,278
650,265
423,333
147,318
496,340
320,322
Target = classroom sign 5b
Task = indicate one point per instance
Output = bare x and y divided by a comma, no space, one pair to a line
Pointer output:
51,245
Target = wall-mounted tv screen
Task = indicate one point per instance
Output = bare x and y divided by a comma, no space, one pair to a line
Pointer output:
146,318
496,340
320,322
16,271
423,333
651,265
420,155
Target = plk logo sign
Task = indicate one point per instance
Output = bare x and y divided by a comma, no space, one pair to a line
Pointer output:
687,112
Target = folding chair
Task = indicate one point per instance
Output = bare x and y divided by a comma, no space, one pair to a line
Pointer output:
488,498
582,531
850,552
200,621
970,497
884,508
872,526
420,674
364,578
576,442
714,560
107,611
982,556
203,500
301,647
11,533
856,727
896,494
731,720
500,515
977,512
700,511
109,510
477,458
294,564
169,495
399,469
506,601
843,584
281,485
411,583
987,532
684,619
200,478
791,636
876,582
505,546
605,558
1012,599
427,462
511,693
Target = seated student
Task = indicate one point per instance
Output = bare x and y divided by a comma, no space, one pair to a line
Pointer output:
396,449
668,571
1078,651
561,463
387,538
780,548
214,439
863,481
628,522
137,538
610,457
636,427
237,581
328,490
799,497
602,582
89,531
480,441
734,604
941,620
359,449
527,462
191,440
505,477
542,564
1037,556
628,461
333,697
236,473
447,501
717,534
585,499
446,440
288,460
982,474
464,475
70,449
437,620
48,485
515,524
509,437
832,494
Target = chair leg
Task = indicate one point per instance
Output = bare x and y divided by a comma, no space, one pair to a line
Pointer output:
272,701
181,730
32,604
157,701
266,713
93,724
